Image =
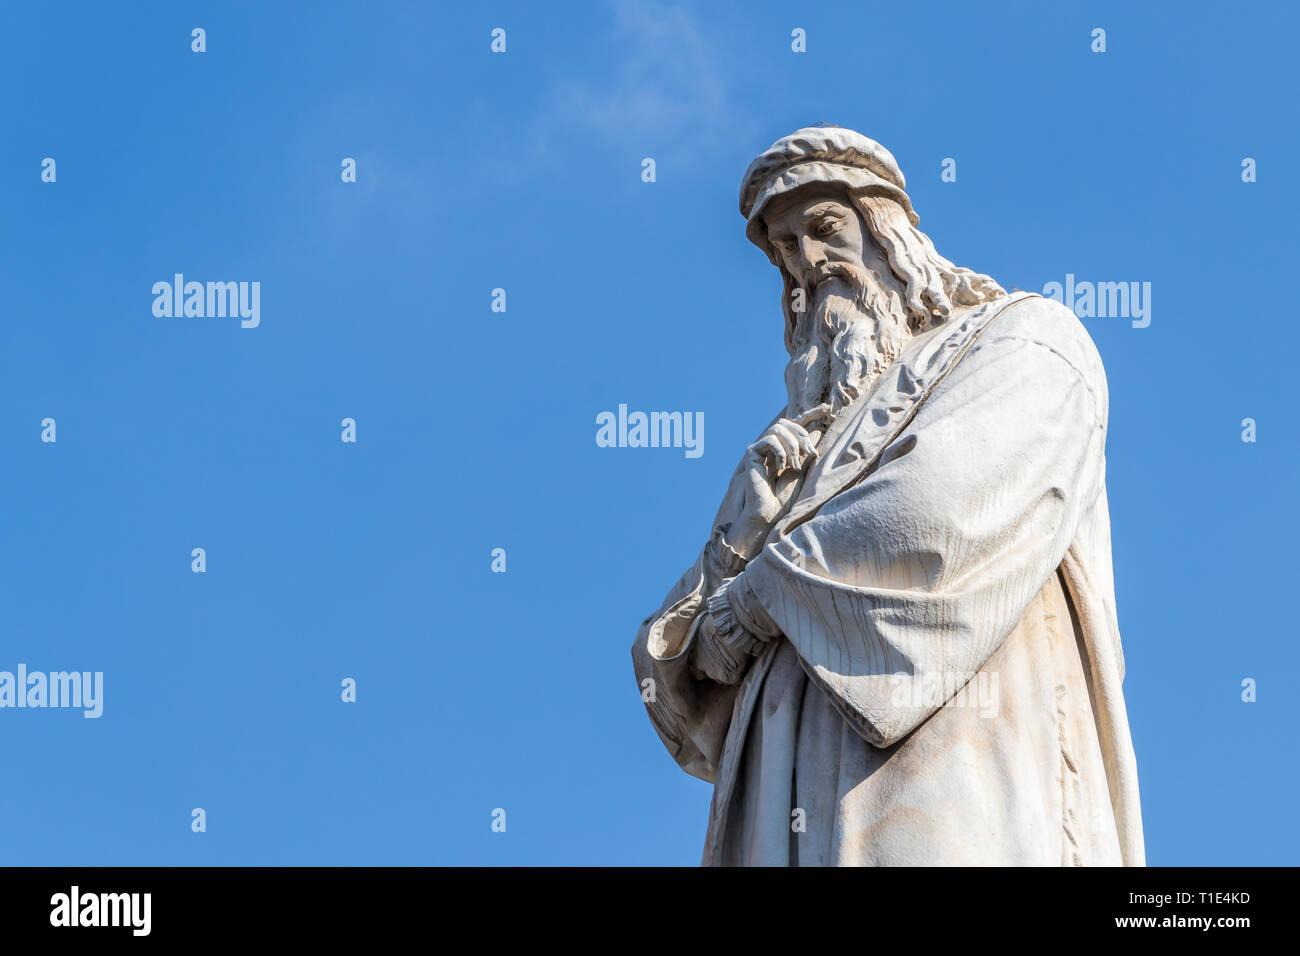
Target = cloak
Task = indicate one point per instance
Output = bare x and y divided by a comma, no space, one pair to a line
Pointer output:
951,537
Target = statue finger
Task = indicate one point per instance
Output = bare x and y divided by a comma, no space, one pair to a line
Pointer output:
790,445
817,414
767,448
775,453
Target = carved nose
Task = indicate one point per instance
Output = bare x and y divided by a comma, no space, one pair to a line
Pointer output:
813,254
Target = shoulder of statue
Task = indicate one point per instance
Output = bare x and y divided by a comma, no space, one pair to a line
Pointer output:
1045,323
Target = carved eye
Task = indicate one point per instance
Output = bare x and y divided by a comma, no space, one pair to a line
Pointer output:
827,227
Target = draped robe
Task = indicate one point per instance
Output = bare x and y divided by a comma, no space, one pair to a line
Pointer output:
946,684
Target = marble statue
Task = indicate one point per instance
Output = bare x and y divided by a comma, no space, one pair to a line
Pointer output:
899,644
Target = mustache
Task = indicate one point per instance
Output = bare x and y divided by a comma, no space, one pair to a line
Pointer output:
853,274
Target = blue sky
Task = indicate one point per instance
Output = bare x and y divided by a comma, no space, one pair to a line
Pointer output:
476,429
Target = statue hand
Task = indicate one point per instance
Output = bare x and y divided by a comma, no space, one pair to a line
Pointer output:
785,446
774,465
714,660
769,473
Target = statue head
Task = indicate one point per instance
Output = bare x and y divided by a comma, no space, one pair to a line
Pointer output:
829,208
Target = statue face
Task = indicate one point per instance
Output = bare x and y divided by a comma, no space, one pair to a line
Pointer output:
852,323
814,226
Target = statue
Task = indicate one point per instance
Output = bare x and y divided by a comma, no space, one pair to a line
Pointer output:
899,644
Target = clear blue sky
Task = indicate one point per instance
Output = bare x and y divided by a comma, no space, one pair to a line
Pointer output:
476,429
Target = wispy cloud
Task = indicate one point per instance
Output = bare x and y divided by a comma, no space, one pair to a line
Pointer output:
670,93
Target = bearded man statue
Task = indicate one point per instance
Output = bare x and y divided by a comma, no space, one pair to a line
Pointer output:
899,644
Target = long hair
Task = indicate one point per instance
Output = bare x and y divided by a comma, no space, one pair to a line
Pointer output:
932,286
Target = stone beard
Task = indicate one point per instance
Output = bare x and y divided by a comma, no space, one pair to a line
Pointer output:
859,320
851,335
899,644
